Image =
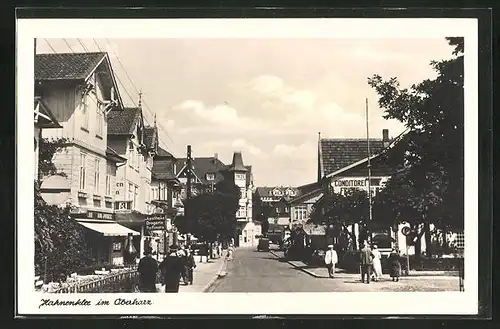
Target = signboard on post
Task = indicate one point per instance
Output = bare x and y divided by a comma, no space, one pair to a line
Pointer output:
156,222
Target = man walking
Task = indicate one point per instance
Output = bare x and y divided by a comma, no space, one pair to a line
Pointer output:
147,269
172,267
330,260
365,259
189,266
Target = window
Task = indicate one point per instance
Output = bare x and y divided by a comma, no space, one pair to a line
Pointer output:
99,119
242,212
130,192
243,192
136,196
131,155
109,171
97,176
210,177
83,168
239,176
162,193
85,111
300,212
137,160
277,210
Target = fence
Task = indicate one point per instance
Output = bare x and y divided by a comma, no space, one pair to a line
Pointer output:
113,280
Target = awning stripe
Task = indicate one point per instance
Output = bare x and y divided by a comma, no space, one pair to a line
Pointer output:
108,229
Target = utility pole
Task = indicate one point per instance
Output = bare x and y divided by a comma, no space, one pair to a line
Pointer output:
369,165
189,166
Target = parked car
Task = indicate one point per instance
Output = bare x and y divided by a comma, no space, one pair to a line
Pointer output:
263,244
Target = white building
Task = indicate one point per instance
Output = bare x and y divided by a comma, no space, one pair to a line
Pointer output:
81,90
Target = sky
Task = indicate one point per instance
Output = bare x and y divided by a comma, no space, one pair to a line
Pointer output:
268,98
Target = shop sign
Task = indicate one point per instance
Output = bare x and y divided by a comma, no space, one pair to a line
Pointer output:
155,222
350,183
99,215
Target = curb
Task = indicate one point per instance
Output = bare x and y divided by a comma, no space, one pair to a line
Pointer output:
220,274
428,276
302,269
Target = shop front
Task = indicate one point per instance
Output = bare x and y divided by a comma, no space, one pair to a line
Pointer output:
106,238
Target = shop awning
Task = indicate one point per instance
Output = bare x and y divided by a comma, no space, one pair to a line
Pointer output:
108,228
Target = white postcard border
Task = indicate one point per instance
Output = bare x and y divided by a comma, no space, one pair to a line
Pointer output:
28,300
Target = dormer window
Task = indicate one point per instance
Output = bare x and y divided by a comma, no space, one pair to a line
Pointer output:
210,176
277,192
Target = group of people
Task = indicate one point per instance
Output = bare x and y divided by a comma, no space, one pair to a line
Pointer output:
370,260
178,264
371,264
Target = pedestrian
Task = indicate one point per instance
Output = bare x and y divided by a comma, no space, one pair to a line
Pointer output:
147,268
172,267
365,258
219,249
183,254
377,263
230,251
331,260
189,266
395,264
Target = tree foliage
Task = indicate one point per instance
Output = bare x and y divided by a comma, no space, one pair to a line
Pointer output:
430,188
46,150
211,216
60,246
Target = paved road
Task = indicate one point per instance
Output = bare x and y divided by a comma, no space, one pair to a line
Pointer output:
253,271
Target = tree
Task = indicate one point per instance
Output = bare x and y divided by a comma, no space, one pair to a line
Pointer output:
46,150
261,213
212,216
433,111
341,211
60,246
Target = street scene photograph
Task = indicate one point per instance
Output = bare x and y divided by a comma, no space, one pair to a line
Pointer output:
247,165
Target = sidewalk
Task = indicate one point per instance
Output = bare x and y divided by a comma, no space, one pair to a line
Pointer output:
204,275
322,272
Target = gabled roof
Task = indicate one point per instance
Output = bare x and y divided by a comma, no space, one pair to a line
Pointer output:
203,166
163,153
374,155
336,154
266,191
114,156
237,164
66,66
73,67
123,122
306,196
150,137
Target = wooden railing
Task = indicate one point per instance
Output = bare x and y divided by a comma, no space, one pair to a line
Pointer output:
98,284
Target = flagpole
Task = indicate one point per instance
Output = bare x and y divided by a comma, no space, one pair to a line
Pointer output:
369,164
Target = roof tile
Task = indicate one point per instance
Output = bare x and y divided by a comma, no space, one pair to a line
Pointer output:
339,153
121,122
66,66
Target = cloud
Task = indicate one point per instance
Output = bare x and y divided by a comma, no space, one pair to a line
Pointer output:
277,95
304,150
220,113
244,145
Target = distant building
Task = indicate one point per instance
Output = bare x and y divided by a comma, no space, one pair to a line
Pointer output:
243,178
80,90
342,165
128,135
165,194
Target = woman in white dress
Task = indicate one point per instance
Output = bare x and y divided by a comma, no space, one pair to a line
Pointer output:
376,262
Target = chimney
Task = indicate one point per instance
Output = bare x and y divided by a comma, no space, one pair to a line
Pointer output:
216,156
385,137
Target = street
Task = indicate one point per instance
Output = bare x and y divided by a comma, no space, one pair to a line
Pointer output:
253,271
